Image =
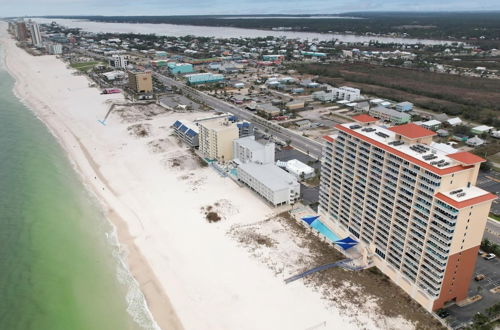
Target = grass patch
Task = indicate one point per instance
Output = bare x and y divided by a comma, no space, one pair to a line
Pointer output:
495,217
84,66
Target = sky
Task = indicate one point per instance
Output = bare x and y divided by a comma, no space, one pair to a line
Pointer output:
245,7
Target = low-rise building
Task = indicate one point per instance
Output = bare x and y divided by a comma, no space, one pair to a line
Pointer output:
187,132
268,109
298,169
271,182
180,68
204,78
454,121
389,115
323,96
481,129
404,106
431,124
249,150
475,141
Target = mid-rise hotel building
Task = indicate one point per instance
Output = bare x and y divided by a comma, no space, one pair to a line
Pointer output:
414,208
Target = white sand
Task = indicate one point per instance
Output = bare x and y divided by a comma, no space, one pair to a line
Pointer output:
211,282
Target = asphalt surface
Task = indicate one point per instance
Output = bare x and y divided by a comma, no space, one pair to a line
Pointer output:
491,269
306,145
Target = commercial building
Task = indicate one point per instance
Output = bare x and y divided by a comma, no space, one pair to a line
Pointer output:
391,115
36,37
347,93
216,138
414,208
204,78
268,109
323,96
140,81
187,132
118,61
180,68
271,182
249,150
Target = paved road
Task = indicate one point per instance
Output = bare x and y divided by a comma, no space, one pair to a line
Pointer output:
300,142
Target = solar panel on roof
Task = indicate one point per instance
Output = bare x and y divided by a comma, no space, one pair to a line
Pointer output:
177,124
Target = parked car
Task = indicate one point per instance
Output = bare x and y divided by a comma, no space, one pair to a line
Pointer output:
489,256
443,314
480,252
480,277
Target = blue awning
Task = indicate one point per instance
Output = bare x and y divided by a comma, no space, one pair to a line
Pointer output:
309,220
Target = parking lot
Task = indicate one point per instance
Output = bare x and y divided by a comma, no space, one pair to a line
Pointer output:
310,195
490,181
489,268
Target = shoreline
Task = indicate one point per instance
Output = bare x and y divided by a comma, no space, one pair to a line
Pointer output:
157,301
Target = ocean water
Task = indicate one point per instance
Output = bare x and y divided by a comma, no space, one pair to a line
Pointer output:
60,265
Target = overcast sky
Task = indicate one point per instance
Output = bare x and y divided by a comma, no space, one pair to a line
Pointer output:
182,7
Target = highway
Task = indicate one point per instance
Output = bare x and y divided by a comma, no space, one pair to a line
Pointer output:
300,142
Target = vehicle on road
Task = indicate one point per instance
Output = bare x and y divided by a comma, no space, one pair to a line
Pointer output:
489,256
480,277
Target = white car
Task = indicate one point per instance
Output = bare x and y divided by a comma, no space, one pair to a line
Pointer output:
489,256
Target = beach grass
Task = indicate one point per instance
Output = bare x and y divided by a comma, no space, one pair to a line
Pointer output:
84,66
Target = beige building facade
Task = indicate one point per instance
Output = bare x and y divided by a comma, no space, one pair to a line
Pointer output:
413,208
140,81
216,138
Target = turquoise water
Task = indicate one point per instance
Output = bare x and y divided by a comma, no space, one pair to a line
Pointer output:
58,262
319,226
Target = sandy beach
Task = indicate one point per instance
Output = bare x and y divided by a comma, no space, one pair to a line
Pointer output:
192,273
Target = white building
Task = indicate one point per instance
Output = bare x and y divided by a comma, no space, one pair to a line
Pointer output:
347,93
271,182
54,49
118,61
36,37
298,169
454,121
248,150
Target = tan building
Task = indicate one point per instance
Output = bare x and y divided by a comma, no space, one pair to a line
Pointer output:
413,208
216,138
140,81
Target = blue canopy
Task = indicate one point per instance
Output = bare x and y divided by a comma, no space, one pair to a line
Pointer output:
309,220
346,243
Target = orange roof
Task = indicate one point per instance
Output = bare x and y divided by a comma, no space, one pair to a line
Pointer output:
412,131
439,171
328,138
467,202
467,158
364,118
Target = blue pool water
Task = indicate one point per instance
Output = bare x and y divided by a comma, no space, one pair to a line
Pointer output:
233,172
319,226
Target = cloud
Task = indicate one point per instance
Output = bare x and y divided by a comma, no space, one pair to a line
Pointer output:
187,7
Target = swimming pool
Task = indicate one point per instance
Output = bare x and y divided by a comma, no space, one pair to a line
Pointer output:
319,226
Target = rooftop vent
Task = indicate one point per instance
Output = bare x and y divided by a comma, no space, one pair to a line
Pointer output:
382,134
456,191
355,126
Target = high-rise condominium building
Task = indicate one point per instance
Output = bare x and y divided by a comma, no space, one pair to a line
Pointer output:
216,138
413,207
140,81
36,37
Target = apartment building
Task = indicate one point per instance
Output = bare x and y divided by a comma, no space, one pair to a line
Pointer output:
271,182
187,132
394,116
118,61
415,209
36,37
247,149
347,93
140,81
216,138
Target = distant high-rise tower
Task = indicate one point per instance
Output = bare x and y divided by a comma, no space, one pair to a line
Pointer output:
36,37
21,31
409,202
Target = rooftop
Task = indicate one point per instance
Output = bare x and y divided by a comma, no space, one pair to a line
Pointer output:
466,158
412,131
467,196
364,118
431,157
269,174
252,144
